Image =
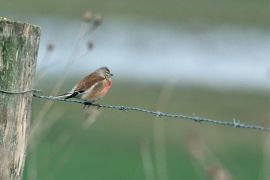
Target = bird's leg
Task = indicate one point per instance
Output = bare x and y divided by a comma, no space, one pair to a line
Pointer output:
98,106
87,104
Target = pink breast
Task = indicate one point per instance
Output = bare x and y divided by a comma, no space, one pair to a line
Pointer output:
107,86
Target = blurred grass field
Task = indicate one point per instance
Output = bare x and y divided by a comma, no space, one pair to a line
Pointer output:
244,12
110,148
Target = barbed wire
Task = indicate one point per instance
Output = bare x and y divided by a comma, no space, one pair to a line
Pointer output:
19,92
232,123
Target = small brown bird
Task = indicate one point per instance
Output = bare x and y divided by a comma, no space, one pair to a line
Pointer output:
92,87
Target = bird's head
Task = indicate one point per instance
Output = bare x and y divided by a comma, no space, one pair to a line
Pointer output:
104,72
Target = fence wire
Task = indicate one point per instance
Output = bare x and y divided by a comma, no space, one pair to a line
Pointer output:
231,123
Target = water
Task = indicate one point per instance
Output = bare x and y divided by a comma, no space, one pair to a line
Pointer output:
216,55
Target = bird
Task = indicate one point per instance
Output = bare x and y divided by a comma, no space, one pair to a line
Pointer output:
92,87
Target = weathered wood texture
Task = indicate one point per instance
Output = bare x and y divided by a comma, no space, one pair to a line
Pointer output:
18,53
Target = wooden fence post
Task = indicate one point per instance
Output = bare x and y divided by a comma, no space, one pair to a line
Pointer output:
18,53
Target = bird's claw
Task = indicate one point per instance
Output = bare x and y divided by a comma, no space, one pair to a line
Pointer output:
87,104
91,103
98,106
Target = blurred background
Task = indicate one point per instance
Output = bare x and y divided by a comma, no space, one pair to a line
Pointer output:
208,58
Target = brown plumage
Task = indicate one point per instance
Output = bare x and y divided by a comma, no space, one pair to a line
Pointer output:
87,82
92,87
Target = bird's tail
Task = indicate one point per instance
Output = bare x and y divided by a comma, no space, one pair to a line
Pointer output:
67,95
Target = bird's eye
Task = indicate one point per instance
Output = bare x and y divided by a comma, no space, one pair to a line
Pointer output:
107,74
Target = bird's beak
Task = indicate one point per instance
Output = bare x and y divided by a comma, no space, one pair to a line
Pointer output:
111,74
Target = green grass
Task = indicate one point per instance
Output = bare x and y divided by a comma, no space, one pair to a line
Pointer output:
251,12
110,148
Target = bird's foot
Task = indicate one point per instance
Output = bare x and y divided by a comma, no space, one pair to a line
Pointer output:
87,104
99,106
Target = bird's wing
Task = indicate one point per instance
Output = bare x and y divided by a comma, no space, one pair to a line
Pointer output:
87,83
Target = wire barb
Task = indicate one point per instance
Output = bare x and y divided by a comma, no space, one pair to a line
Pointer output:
236,123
